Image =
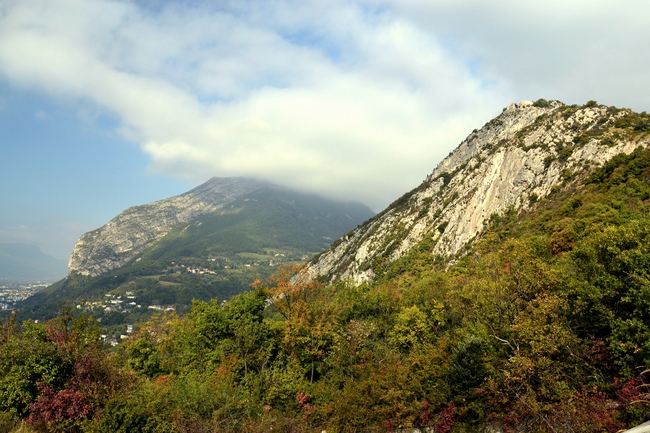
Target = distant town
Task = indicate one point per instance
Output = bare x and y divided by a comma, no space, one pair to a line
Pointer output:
11,293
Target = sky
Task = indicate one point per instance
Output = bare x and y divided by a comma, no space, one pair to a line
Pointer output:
107,104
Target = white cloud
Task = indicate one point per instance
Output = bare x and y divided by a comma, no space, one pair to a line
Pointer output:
352,99
570,50
350,102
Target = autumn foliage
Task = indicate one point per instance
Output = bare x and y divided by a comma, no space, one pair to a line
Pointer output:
541,326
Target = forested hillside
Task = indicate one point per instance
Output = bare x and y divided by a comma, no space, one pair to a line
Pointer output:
216,254
541,326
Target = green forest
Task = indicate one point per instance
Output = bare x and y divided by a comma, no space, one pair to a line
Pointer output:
542,325
217,255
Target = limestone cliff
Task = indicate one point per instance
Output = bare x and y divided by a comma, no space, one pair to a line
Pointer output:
128,234
512,161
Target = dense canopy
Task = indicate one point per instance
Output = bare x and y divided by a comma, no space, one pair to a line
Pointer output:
542,325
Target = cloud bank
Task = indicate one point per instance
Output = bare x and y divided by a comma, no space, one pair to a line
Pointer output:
351,99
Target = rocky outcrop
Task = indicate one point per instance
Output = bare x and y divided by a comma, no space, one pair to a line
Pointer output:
512,161
128,234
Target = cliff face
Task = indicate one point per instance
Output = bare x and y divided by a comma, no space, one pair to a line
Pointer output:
128,234
512,161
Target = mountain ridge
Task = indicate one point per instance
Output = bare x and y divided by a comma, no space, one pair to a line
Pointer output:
137,228
513,160
211,242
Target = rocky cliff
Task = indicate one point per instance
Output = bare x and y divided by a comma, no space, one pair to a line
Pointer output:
128,234
512,161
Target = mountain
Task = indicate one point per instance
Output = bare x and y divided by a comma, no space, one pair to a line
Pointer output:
211,242
24,263
308,220
537,320
128,234
519,157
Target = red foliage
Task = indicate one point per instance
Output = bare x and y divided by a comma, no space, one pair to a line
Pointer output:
68,343
584,410
634,391
593,410
65,341
446,419
52,405
425,416
85,377
599,355
302,398
163,380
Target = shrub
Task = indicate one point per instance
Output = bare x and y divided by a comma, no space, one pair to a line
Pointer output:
565,153
548,161
542,103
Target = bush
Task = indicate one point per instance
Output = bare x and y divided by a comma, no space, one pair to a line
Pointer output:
548,161
542,103
467,369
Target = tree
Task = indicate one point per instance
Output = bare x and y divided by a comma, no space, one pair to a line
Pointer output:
56,375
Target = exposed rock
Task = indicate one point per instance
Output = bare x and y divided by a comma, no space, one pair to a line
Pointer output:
516,158
128,234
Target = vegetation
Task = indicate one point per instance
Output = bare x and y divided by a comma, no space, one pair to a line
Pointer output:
217,255
541,103
544,325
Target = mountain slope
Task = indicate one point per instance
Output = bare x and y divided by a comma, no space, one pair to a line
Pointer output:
211,242
541,325
261,220
128,234
512,161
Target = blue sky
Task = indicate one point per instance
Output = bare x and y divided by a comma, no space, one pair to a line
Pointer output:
106,104
62,175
